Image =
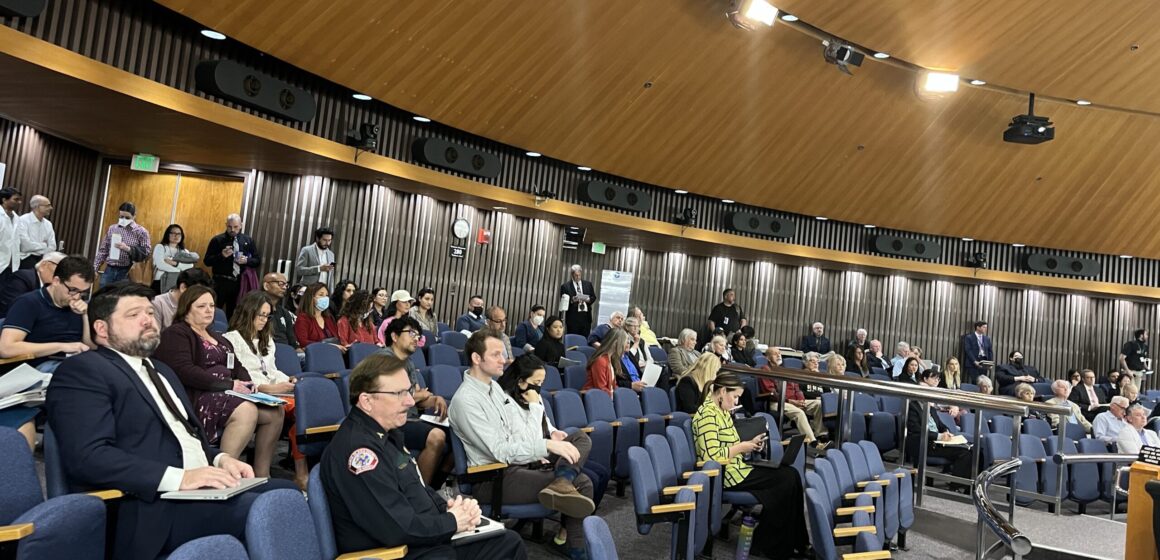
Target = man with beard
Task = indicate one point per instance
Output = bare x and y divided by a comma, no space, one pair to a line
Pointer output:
123,421
229,254
1011,374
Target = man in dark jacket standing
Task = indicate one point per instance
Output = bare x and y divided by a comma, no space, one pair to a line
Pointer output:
229,254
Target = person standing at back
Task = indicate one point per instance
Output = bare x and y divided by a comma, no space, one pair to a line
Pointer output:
576,299
10,201
1134,358
229,255
37,237
977,349
727,315
315,262
126,242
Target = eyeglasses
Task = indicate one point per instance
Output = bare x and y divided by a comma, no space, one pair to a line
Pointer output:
263,315
396,394
279,283
73,292
414,333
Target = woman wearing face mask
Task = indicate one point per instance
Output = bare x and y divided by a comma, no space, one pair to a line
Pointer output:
314,324
424,310
528,333
378,306
550,348
125,243
354,323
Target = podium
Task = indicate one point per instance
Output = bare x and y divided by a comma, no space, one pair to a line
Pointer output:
1140,537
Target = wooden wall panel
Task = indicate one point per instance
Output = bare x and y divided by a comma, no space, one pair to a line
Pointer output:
202,206
152,194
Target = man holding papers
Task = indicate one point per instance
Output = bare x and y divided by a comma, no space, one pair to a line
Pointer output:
123,421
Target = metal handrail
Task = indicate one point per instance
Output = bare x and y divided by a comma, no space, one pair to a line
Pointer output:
1119,458
1008,535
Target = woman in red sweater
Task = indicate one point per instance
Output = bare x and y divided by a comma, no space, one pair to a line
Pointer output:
355,323
605,367
313,323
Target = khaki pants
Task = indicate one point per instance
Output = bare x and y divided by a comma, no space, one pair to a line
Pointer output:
807,418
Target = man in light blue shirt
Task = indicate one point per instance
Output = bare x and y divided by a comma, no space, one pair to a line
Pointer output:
901,353
1108,424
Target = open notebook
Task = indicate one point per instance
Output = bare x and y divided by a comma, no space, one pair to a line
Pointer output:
486,529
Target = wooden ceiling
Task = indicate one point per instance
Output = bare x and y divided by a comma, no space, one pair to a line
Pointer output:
758,117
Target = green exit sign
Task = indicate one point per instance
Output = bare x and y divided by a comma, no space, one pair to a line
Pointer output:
598,247
145,162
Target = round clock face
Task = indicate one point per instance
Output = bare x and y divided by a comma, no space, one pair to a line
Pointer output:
460,228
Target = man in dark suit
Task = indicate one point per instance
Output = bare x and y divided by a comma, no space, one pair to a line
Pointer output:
580,297
976,347
124,422
28,280
1088,396
1014,372
229,254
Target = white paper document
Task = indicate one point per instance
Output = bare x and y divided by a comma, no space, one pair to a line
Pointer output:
652,372
114,251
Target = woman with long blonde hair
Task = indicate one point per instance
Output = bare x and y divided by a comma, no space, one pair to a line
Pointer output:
691,386
951,374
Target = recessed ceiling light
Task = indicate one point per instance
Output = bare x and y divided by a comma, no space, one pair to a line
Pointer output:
421,119
727,201
1018,245
1125,256
881,55
978,83
821,218
583,168
968,239
869,226
500,207
533,154
361,97
789,17
1082,102
940,82
213,35
681,191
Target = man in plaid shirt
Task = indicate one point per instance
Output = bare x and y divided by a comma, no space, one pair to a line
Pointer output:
126,242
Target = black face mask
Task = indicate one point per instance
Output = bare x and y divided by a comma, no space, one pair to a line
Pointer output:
531,387
1018,362
477,311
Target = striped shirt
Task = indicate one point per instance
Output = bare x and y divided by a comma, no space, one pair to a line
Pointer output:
713,435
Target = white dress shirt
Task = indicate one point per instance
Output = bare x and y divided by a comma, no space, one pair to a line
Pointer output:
1131,440
36,236
192,453
9,243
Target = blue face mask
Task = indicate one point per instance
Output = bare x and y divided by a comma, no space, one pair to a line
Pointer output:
322,303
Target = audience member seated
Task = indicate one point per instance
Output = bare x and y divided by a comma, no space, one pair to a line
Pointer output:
856,361
1111,384
1074,377
28,280
876,359
1011,374
859,341
1134,435
1026,393
431,440
781,525
281,317
738,353
606,368
1107,425
165,304
530,331
816,341
719,346
984,384
251,336
615,321
376,494
901,354
495,429
472,320
638,350
1129,391
811,362
911,371
1062,389
313,323
205,363
1087,395
124,422
497,324
684,354
170,258
50,323
805,413
836,365
399,306
379,300
932,433
550,348
646,332
355,323
424,311
690,390
951,374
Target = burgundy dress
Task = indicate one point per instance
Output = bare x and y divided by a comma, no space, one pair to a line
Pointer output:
214,408
201,366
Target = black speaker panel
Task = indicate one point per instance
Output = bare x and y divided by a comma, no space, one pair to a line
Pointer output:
21,8
456,157
1057,264
748,222
616,196
905,247
230,80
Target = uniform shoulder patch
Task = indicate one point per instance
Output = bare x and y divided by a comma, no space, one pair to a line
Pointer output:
362,460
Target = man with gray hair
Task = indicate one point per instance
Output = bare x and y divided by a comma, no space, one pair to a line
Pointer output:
816,341
37,238
684,354
861,340
229,255
1134,435
576,300
901,353
23,281
1062,389
615,321
1108,424
985,386
875,358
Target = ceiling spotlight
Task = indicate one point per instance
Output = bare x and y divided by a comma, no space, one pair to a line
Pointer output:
533,154
869,226
821,218
687,217
841,55
940,82
681,191
1125,256
213,35
421,119
748,14
1082,102
789,17
1017,245
1029,129
727,201
881,56
361,97
968,239
583,168
978,83
499,207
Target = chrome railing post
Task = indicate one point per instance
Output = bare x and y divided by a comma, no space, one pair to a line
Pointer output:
1013,480
1059,478
977,447
922,449
780,405
1007,534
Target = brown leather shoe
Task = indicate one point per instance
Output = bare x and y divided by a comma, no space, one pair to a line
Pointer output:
562,496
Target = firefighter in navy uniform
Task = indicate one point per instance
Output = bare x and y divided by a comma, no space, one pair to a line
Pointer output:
376,495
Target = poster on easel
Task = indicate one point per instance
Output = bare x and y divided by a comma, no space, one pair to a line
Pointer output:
1,174
615,291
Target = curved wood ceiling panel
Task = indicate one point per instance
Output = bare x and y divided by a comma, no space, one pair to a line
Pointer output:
755,117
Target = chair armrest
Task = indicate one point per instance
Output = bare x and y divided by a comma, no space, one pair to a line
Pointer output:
914,471
376,554
486,468
850,510
670,508
107,495
322,429
851,531
899,475
785,442
331,375
700,464
15,532
20,358
672,490
852,495
707,472
587,429
642,420
865,483
615,423
873,555
1041,460
668,417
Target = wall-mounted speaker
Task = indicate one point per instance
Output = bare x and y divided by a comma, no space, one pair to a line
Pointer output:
21,8
616,196
905,247
456,157
237,83
748,222
1057,264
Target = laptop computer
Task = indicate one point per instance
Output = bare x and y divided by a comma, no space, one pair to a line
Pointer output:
214,493
787,458
486,529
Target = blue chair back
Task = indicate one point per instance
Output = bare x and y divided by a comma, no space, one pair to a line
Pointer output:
865,403
454,339
320,514
577,340
1037,427
21,489
1074,432
878,371
317,402
996,447
1042,389
1084,478
324,358
820,526
218,547
552,381
279,527
575,377
443,355
419,358
360,351
824,367
949,422
286,358
1002,424
599,406
445,380
588,352
442,327
829,475
220,323
645,490
893,405
969,387
576,356
659,355
55,479
760,361
791,363
598,539
570,410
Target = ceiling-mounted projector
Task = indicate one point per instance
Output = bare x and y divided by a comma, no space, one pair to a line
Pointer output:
1029,128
